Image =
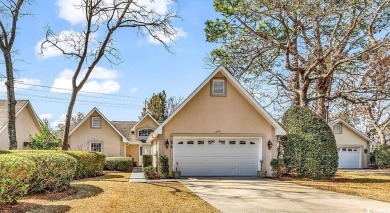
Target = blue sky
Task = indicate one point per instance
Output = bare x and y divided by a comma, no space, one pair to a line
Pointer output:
147,67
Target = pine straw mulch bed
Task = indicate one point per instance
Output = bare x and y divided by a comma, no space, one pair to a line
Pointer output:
367,185
113,193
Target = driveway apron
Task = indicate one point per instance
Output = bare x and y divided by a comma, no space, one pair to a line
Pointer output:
265,195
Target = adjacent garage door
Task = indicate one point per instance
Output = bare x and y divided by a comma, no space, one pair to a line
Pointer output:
217,156
349,158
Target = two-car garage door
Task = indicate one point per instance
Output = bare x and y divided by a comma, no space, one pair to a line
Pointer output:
203,156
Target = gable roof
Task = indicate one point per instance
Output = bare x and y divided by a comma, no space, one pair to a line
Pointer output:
124,127
353,129
20,105
124,139
278,129
147,115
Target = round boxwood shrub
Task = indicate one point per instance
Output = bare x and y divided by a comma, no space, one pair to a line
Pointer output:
89,164
54,169
124,164
310,148
15,175
382,156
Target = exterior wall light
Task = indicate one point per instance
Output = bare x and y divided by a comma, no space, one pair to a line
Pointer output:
166,144
269,144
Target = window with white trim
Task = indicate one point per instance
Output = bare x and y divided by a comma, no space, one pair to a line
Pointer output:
218,87
145,132
96,147
337,129
95,122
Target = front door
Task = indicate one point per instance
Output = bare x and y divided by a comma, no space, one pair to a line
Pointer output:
143,150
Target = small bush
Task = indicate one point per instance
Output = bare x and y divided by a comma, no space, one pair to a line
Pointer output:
382,156
4,152
310,149
119,163
276,167
54,170
163,168
150,172
89,164
147,160
15,175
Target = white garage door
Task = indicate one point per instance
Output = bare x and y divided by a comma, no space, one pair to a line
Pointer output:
349,158
217,156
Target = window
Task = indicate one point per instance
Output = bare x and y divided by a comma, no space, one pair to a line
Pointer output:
218,87
145,132
181,142
222,142
96,147
211,141
242,142
337,129
190,142
95,122
232,142
200,142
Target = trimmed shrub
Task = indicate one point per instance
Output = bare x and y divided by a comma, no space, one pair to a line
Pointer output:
147,160
54,170
382,156
163,168
119,163
150,172
276,167
310,149
89,164
15,175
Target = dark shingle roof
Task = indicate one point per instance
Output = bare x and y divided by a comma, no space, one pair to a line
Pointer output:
4,110
124,127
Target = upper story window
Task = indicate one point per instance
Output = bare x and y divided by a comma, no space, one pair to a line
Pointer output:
218,87
337,129
145,132
95,122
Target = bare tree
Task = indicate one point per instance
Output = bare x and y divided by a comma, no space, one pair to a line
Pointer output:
96,41
300,46
10,12
173,103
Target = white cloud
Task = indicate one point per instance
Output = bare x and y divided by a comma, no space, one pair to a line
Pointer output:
62,41
167,39
134,90
20,84
103,81
69,11
45,116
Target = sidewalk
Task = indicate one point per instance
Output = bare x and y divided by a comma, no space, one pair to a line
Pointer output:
137,176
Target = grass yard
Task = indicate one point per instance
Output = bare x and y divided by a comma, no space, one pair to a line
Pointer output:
113,193
367,185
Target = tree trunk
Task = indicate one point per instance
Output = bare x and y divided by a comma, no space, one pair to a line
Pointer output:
13,144
323,89
381,134
65,143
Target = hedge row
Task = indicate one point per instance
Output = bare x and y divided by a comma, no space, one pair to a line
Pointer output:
24,171
119,164
382,156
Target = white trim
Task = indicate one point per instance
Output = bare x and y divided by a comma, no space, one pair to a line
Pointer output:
278,129
351,128
124,139
28,103
147,114
138,136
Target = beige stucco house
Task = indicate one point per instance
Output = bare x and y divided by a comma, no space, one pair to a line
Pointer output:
138,144
353,146
27,123
219,130
96,133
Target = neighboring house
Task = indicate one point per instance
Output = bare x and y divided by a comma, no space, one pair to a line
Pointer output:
353,146
27,123
138,144
96,133
219,130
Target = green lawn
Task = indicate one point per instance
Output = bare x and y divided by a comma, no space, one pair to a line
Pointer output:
113,193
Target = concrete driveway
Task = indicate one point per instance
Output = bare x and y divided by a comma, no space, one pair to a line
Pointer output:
265,195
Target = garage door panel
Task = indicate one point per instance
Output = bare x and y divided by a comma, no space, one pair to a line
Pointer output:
217,157
349,158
